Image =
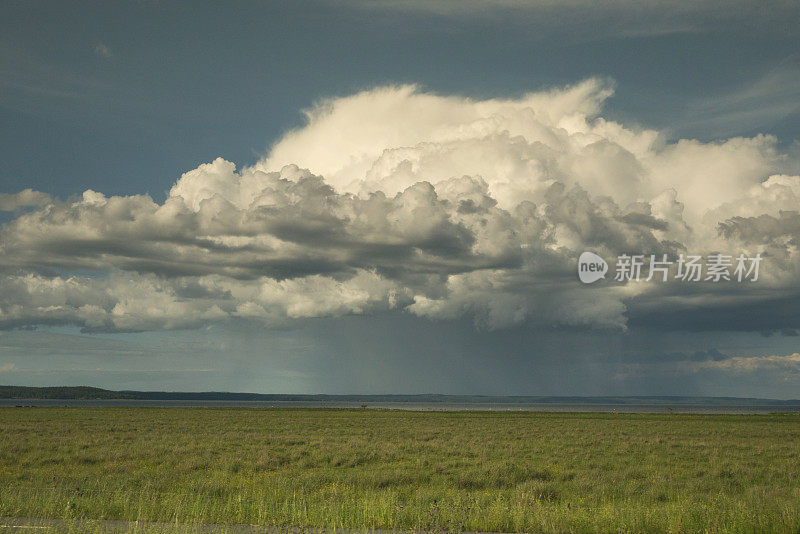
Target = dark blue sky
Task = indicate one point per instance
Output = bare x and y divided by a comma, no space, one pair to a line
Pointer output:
184,83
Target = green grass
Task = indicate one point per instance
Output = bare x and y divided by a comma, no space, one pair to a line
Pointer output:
485,471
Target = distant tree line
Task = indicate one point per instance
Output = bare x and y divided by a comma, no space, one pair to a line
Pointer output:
60,392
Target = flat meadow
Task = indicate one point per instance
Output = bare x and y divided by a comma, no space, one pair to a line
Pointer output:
381,469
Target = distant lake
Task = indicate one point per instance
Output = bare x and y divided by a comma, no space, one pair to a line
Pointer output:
422,406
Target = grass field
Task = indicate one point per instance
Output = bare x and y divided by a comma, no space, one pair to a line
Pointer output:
454,471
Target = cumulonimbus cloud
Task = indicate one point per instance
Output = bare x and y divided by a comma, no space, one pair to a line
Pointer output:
398,199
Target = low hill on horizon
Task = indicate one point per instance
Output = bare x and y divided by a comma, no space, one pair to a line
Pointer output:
93,393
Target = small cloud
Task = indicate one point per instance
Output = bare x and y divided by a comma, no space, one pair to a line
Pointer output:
790,362
103,50
25,198
7,367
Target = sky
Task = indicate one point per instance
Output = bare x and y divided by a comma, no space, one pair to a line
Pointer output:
392,197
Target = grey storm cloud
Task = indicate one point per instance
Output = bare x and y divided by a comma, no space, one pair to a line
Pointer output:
782,231
395,199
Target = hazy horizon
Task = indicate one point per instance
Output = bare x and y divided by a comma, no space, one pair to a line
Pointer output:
387,397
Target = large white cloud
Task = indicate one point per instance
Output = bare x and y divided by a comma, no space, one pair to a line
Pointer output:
395,198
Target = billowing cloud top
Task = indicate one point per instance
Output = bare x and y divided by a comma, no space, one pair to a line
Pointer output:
395,198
